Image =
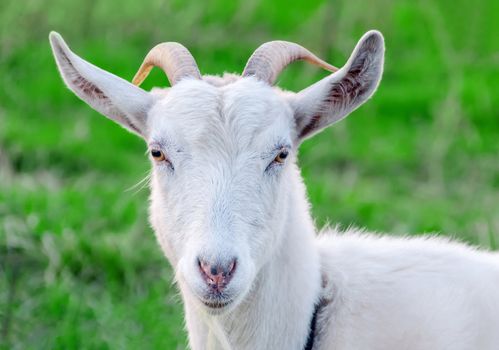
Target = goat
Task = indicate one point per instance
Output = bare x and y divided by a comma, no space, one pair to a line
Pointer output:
231,214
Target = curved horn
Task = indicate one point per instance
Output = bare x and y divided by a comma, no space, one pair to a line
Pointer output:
272,57
173,58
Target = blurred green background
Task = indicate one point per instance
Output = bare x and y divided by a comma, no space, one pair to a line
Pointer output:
79,266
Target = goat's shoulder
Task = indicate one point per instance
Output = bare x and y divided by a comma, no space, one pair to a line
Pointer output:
409,286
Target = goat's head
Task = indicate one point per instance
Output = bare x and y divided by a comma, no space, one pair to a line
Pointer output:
223,151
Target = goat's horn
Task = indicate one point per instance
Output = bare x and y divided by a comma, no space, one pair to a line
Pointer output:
272,57
173,58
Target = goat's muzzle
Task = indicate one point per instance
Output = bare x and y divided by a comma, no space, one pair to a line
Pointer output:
217,275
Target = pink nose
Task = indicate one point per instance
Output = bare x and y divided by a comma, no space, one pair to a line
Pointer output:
217,276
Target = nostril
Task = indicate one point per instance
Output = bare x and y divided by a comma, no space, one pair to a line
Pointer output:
214,270
232,266
204,266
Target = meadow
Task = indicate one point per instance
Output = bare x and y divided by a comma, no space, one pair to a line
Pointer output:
79,265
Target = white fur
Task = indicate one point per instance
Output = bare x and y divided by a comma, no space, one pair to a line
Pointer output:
409,293
221,196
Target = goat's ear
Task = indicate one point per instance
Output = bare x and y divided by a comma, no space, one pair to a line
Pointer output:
108,94
334,97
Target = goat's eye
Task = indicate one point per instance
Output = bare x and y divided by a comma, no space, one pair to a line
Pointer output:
281,157
157,155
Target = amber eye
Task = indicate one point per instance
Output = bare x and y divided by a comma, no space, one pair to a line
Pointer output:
157,155
281,157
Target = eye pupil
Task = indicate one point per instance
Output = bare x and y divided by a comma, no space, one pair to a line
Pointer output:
157,154
281,156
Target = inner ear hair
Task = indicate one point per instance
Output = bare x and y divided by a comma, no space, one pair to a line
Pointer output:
110,95
85,89
337,95
362,77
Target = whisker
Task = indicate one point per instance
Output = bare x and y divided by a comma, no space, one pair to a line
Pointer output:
139,186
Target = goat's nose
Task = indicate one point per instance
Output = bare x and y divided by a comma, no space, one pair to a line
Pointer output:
217,275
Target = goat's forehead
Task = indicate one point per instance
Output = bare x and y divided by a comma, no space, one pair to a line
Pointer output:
246,111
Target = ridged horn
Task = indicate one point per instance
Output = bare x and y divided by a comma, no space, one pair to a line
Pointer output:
173,58
268,61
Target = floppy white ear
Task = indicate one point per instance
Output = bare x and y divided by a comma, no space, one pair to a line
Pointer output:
334,97
108,94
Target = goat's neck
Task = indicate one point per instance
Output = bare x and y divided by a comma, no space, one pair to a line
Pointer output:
278,311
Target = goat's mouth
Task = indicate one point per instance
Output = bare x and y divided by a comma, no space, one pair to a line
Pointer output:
216,300
217,305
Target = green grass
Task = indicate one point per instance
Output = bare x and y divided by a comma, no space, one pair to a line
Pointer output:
79,266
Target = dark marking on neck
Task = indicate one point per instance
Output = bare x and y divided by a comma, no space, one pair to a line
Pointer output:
309,345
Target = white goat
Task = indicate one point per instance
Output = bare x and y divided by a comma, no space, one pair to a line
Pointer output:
230,212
